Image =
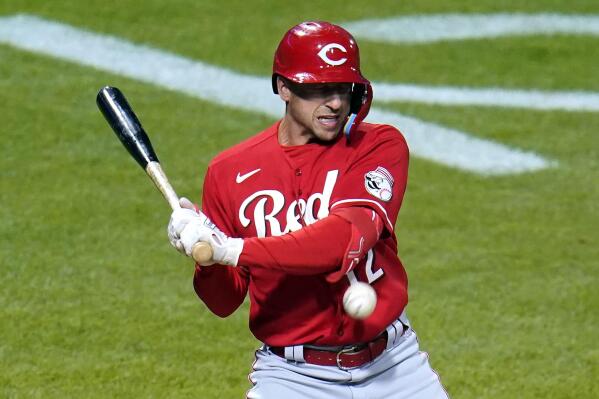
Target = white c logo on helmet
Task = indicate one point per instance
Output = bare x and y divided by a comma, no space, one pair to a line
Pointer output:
323,54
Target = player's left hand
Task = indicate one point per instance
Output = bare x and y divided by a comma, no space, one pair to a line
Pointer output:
188,227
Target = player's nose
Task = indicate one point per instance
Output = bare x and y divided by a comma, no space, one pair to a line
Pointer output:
334,101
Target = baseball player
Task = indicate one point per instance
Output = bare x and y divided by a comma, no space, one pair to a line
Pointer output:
299,212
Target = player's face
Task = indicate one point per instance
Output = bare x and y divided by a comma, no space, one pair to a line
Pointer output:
315,112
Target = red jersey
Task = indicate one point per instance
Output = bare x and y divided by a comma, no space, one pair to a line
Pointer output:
259,188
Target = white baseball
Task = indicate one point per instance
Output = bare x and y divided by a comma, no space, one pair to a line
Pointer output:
359,300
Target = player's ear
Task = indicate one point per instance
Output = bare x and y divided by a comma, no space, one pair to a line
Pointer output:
283,89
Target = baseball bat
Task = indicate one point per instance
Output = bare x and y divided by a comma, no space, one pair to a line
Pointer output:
126,126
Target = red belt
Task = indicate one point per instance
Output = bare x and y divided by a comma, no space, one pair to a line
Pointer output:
346,358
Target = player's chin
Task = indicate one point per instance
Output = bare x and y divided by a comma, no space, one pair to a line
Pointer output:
327,131
326,136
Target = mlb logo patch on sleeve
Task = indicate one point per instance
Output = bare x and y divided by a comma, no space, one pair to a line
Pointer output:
379,183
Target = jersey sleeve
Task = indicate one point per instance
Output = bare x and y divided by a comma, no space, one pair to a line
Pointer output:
377,176
221,288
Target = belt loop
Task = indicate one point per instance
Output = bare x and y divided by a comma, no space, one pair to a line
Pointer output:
295,353
396,329
403,317
391,335
399,328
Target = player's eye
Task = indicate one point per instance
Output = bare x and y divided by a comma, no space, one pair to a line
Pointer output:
321,90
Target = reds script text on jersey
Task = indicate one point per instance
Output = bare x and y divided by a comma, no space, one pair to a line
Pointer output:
259,188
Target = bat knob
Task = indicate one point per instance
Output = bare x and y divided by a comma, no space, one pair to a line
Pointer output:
201,252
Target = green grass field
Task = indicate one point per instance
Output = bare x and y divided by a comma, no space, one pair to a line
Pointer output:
94,303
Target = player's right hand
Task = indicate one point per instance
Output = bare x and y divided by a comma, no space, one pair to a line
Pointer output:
179,219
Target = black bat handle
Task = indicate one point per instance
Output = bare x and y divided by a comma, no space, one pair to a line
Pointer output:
125,124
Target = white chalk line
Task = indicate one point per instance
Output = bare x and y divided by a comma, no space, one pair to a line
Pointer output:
457,149
445,27
427,140
489,97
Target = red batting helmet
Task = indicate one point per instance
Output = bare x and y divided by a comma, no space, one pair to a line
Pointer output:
320,52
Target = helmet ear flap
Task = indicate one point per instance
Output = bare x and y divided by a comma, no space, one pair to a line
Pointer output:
359,107
357,98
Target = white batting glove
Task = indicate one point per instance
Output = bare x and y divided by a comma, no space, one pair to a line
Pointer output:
188,227
179,219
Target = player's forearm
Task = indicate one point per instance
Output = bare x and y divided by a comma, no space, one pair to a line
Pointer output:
315,249
330,245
